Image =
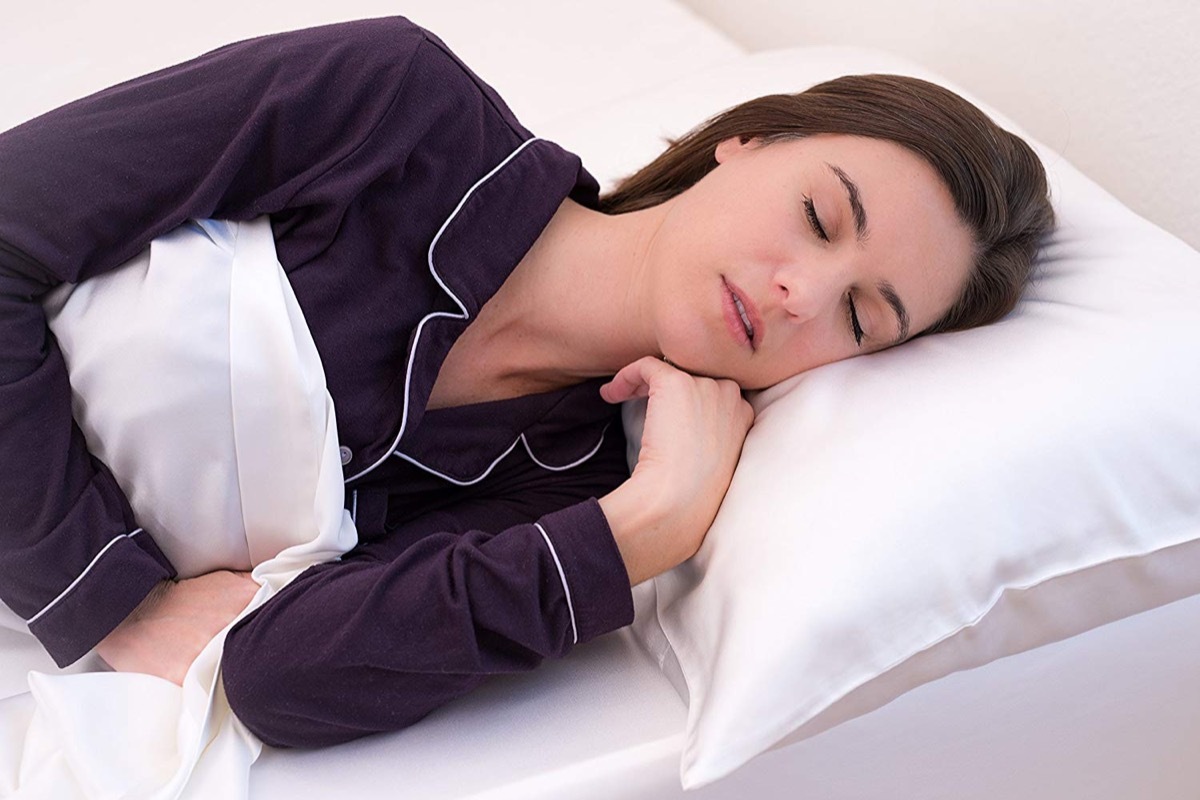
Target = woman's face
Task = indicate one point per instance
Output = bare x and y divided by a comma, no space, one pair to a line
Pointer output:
833,246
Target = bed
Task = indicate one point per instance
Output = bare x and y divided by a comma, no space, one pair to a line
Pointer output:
1105,712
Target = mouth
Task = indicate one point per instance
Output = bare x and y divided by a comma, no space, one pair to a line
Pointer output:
741,317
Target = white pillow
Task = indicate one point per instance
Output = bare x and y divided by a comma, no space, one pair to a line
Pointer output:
178,388
900,516
195,378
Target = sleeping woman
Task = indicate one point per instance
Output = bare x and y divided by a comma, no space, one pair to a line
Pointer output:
483,458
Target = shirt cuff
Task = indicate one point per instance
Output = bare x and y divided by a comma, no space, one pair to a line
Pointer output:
101,597
594,577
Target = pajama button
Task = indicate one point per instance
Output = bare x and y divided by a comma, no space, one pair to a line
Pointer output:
346,453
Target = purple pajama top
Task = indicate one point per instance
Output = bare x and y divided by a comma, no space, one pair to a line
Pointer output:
402,192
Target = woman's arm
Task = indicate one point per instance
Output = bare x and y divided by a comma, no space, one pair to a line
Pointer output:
290,121
403,625
175,622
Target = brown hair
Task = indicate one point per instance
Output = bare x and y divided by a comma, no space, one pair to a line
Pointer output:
997,182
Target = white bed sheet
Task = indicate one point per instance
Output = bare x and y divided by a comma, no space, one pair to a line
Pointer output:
1111,714
547,58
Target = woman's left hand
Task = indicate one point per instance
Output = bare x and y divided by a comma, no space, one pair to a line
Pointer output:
175,622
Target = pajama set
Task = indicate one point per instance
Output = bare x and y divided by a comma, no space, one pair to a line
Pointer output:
401,192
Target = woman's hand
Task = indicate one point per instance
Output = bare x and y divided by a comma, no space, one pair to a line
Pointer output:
172,625
691,442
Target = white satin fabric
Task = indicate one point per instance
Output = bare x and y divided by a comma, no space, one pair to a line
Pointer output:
195,378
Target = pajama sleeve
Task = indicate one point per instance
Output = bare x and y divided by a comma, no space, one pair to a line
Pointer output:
290,121
400,627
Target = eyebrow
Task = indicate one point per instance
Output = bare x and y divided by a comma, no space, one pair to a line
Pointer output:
889,294
860,214
860,233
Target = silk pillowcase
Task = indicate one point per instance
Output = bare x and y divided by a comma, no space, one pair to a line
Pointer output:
904,515
195,378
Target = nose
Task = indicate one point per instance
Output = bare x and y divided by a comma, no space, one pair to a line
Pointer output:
809,290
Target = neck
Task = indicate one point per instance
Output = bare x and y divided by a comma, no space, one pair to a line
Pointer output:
578,304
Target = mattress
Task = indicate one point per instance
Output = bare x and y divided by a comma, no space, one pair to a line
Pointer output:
1113,713
1110,714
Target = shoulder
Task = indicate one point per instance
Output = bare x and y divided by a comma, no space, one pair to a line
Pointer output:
383,40
370,54
446,60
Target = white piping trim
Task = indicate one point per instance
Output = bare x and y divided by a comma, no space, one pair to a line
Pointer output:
456,481
75,582
562,577
354,508
499,458
421,326
574,463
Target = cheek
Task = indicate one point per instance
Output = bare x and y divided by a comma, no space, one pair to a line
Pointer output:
676,303
773,241
805,348
721,227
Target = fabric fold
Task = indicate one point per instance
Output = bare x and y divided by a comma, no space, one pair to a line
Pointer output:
270,442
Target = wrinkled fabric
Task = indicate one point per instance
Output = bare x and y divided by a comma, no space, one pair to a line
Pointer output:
402,192
271,446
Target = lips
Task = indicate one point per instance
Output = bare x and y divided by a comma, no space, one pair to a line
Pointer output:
741,316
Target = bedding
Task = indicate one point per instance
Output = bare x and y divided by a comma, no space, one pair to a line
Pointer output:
1106,715
222,496
903,515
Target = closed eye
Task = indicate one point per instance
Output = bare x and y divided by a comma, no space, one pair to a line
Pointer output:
852,314
812,219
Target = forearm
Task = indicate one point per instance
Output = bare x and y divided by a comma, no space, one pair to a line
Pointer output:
73,559
642,532
175,622
366,644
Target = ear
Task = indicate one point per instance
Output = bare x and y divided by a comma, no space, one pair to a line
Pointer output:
733,146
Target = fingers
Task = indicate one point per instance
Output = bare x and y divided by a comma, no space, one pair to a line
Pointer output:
637,378
742,409
634,379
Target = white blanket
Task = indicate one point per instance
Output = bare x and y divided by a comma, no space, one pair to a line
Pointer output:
195,378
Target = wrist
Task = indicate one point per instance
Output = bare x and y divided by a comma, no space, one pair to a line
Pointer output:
152,600
637,523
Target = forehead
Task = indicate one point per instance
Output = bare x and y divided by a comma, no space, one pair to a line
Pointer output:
915,239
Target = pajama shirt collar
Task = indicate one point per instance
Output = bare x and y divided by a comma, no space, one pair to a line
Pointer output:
479,245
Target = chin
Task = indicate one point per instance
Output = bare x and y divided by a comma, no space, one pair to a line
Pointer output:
755,385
